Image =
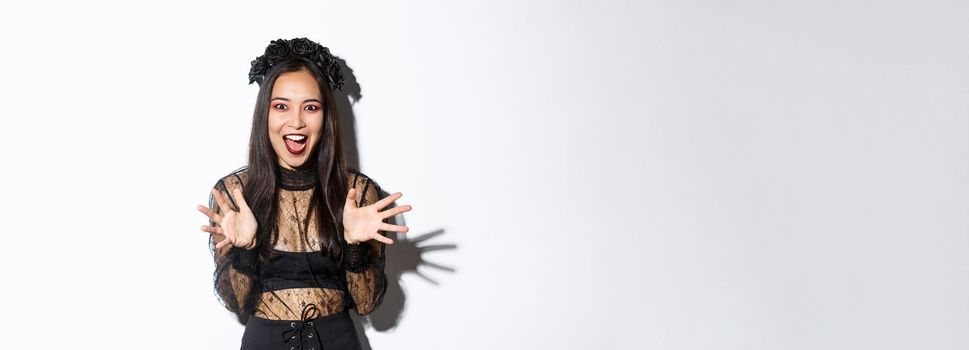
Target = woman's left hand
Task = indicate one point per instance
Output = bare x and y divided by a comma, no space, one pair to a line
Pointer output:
361,224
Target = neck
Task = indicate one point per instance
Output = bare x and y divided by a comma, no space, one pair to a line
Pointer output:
302,178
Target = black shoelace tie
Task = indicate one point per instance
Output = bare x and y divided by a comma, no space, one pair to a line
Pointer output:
303,330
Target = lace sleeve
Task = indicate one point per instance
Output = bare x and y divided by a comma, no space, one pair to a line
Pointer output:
364,262
235,268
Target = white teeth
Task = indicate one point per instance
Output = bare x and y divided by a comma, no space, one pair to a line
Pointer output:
295,137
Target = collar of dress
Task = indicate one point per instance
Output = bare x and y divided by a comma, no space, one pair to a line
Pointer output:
299,179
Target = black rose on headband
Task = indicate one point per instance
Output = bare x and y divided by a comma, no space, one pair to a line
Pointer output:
304,46
258,70
335,75
277,51
280,50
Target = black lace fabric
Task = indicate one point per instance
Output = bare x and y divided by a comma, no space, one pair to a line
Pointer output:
239,281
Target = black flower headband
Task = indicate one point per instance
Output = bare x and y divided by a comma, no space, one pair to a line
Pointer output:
280,50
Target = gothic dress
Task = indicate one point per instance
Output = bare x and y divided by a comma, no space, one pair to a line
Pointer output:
298,297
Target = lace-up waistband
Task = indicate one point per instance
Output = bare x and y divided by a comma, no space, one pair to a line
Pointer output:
303,330
307,333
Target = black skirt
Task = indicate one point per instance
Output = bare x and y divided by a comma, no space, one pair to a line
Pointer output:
330,332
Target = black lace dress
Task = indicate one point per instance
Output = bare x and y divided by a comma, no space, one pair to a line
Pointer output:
299,297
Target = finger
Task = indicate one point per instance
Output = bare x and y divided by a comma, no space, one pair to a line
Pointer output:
240,198
387,200
394,211
222,202
223,243
394,228
383,239
215,217
212,230
351,199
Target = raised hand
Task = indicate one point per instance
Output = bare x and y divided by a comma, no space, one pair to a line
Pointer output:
238,227
361,224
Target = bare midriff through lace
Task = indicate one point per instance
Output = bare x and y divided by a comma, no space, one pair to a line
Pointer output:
285,304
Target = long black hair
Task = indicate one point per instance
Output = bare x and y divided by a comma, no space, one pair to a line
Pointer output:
327,158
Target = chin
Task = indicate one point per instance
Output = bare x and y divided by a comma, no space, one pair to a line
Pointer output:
293,163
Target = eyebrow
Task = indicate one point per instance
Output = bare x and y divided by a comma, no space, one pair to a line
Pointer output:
306,100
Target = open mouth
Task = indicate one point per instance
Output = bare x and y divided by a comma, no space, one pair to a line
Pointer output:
295,143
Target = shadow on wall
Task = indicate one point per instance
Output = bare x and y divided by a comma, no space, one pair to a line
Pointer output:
407,252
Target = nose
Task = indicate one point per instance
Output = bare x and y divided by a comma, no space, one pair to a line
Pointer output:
297,121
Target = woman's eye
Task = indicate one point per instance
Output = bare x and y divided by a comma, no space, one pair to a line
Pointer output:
280,106
312,107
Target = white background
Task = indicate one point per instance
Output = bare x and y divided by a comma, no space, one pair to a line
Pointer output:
662,175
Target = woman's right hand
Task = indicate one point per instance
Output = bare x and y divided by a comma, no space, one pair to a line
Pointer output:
238,227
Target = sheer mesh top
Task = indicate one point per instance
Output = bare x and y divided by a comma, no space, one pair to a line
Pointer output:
298,273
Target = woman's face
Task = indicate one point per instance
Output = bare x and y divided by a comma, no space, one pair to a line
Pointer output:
295,117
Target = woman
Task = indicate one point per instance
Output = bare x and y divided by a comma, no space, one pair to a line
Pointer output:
296,233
